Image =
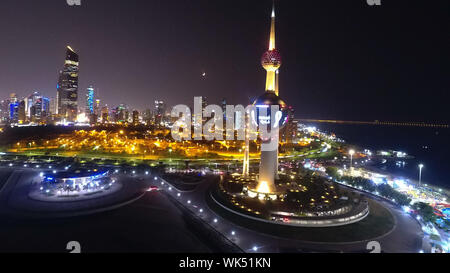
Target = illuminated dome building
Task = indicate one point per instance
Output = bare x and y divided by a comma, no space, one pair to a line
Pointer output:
76,182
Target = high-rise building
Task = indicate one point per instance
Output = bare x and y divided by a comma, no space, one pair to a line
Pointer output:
121,113
45,107
4,111
289,131
97,107
14,112
67,87
105,114
30,101
13,98
90,96
160,109
37,115
135,117
224,108
21,117
52,107
147,116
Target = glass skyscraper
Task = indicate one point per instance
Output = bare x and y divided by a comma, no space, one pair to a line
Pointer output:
67,88
90,96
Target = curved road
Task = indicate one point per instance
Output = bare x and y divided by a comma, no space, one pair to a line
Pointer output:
405,237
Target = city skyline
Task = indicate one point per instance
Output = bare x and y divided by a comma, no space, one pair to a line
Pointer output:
315,38
198,127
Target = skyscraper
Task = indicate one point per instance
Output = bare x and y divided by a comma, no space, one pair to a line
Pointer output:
30,101
147,116
52,107
105,114
97,107
12,98
135,117
21,118
14,112
4,111
160,109
45,108
90,96
67,87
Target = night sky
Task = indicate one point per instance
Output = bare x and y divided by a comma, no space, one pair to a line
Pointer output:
341,59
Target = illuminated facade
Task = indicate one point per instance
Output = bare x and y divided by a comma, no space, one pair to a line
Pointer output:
160,109
67,87
90,96
105,114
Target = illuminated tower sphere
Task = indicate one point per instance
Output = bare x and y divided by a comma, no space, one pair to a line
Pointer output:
271,59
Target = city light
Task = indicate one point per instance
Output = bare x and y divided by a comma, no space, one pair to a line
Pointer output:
420,174
263,187
80,148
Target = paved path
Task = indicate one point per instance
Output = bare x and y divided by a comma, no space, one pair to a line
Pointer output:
151,224
15,199
406,236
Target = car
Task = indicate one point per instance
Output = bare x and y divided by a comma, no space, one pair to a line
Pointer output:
153,188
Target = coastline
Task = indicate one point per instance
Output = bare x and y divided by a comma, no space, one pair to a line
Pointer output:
413,181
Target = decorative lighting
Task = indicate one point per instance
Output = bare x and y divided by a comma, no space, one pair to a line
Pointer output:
263,187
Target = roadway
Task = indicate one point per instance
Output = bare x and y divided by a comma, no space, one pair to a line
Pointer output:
152,224
405,237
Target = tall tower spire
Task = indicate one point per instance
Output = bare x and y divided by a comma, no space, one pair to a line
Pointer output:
271,60
272,29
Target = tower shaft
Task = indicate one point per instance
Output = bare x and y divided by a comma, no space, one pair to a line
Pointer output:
246,167
270,81
277,88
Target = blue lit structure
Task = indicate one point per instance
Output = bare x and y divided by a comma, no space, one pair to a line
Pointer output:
90,100
75,182
14,111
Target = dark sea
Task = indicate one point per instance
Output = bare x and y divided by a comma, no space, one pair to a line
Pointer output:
428,146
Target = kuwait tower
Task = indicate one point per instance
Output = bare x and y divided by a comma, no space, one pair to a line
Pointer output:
268,169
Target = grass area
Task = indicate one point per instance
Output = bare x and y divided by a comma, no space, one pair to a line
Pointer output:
380,221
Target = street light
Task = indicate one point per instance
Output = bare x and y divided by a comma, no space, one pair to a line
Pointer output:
351,153
420,173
